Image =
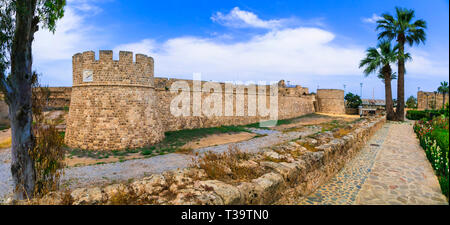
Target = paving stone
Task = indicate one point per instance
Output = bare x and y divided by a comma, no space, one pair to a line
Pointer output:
396,172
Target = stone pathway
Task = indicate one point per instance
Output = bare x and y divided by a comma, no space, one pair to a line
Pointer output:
391,169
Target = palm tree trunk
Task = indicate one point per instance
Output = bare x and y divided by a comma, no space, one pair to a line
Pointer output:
390,115
401,82
20,111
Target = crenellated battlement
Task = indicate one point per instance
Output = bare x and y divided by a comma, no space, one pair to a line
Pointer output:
87,71
119,104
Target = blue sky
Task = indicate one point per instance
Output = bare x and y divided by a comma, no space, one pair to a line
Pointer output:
310,43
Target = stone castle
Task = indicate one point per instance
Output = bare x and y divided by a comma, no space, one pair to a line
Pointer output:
119,104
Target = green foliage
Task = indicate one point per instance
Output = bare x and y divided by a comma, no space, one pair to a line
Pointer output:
411,102
352,100
441,136
434,138
401,27
426,114
379,59
443,89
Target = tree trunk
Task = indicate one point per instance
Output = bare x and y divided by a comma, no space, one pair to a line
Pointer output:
401,81
390,115
20,112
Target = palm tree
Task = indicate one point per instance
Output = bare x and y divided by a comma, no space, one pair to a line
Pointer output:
443,89
404,30
380,59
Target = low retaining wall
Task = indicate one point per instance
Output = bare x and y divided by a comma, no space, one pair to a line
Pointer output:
301,175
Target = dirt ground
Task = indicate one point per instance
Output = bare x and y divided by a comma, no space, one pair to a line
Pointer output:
219,139
84,161
316,118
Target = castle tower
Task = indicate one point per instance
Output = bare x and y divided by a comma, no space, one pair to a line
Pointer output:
112,105
331,101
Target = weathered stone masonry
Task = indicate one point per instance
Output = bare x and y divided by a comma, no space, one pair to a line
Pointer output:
115,110
118,104
331,101
430,100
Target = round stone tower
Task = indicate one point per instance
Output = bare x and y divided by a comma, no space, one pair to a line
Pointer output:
112,104
331,101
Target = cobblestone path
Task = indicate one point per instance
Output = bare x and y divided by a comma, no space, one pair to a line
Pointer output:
391,169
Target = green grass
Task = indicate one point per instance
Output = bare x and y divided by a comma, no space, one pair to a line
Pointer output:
442,138
443,181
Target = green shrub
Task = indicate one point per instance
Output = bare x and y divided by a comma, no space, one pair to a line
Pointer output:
434,138
352,100
426,114
48,153
411,102
443,181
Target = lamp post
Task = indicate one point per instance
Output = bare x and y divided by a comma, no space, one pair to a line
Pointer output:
361,84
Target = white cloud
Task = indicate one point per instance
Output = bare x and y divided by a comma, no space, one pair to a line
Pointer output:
73,34
372,19
303,54
424,64
242,19
285,53
276,54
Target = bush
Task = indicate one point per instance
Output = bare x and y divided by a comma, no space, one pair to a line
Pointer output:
352,100
434,138
427,114
48,153
411,102
441,136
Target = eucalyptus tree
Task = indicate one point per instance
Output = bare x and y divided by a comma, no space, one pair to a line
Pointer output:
19,21
403,29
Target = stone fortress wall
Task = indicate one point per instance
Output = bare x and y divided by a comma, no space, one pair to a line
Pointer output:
331,101
292,102
425,100
59,99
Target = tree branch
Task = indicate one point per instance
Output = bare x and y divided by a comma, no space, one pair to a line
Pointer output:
5,87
